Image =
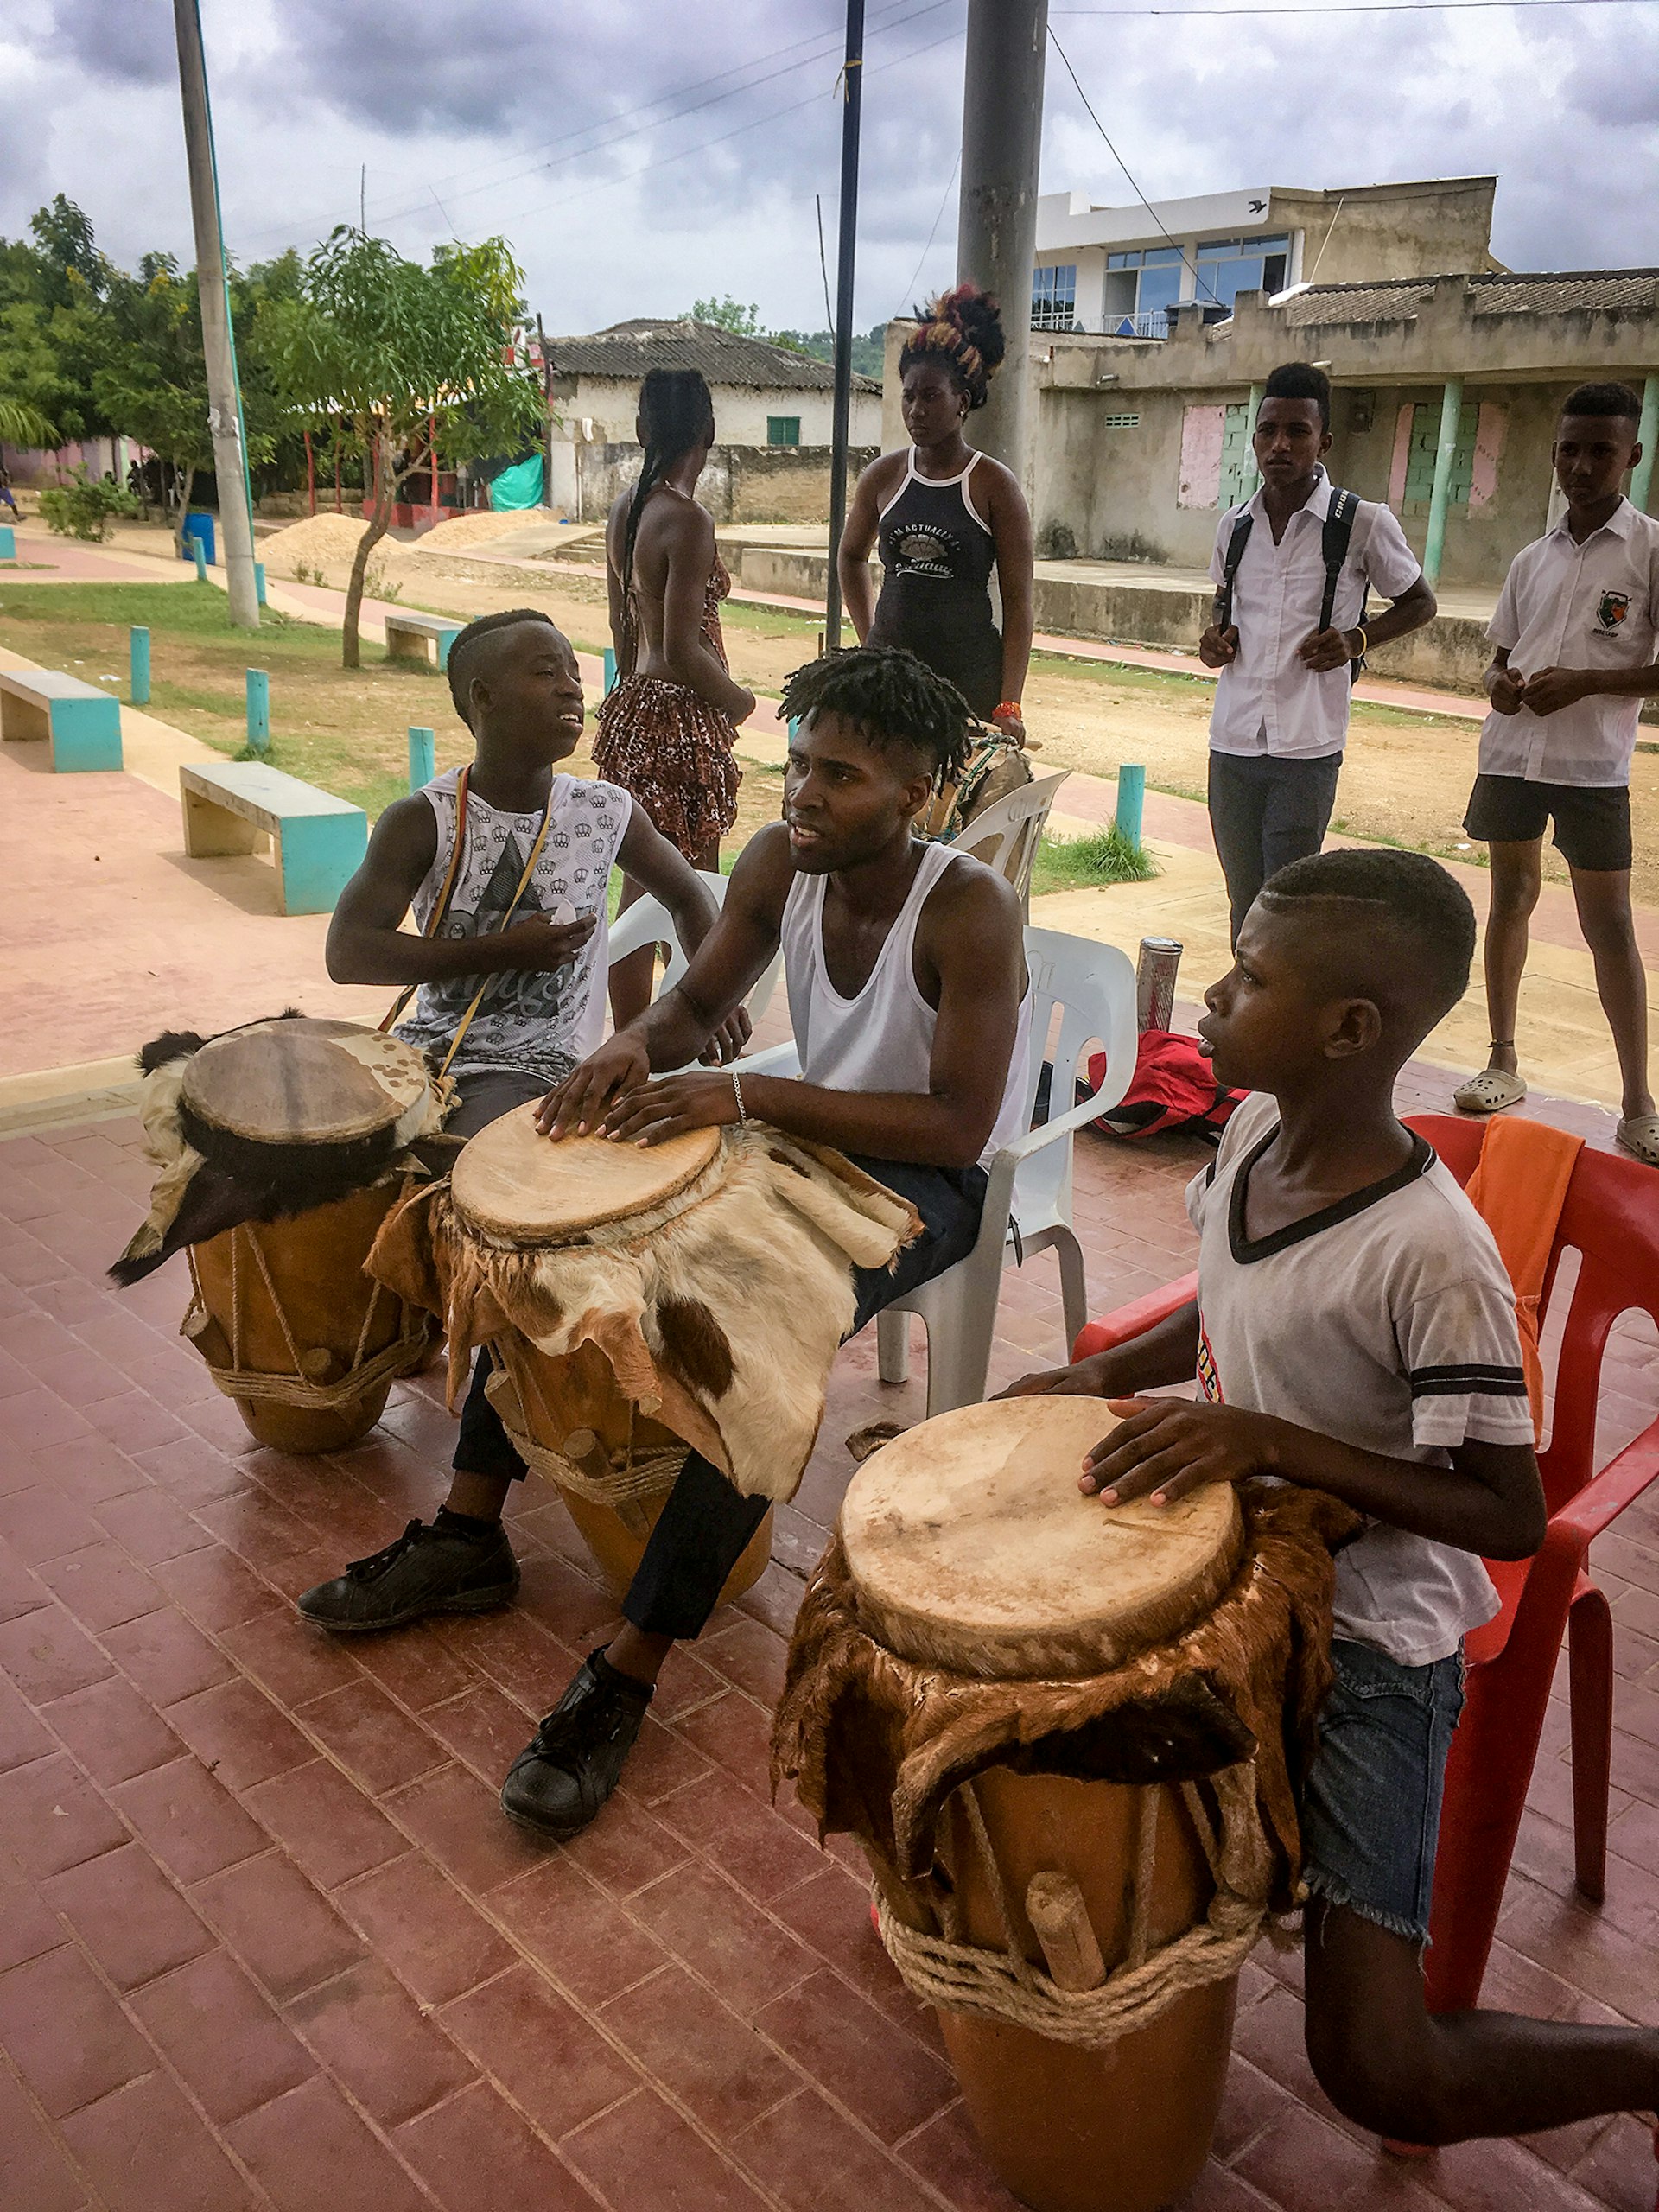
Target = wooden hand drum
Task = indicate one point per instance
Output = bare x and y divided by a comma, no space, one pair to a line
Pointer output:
970,1547
514,1192
292,1327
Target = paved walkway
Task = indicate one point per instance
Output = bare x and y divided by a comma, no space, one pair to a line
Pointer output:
267,1944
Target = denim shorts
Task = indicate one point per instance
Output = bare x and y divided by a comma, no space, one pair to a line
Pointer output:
1371,1802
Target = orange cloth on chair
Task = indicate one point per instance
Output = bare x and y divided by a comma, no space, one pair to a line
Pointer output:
1518,1189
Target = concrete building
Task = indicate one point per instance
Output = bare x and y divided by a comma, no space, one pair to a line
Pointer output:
1123,269
773,410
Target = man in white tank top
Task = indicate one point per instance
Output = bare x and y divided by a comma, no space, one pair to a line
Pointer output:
462,856
906,967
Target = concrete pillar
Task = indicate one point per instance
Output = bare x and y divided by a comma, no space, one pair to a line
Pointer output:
1642,474
996,233
1252,475
1444,454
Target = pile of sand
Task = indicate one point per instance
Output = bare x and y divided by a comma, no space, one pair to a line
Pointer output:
472,530
326,542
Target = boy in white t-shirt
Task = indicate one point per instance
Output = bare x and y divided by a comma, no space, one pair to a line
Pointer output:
1575,651
1354,1331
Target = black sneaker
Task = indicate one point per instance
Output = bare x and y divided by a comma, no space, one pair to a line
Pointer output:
558,1783
428,1570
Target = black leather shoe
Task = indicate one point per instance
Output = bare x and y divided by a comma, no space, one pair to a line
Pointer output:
428,1570
559,1782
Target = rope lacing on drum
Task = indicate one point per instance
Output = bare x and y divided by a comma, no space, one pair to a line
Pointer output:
1005,1984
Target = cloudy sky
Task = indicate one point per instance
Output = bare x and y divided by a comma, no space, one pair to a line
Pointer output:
640,153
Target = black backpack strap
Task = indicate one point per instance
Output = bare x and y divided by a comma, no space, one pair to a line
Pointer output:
1336,537
1236,545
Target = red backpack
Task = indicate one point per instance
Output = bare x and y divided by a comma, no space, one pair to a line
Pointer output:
1173,1089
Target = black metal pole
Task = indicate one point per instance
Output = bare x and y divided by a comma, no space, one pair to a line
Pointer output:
852,97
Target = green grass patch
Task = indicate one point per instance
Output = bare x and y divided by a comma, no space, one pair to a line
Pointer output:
1081,863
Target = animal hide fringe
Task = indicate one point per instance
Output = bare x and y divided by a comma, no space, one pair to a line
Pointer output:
209,1180
875,1744
718,1312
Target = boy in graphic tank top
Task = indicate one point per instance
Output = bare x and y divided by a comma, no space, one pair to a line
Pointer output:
459,853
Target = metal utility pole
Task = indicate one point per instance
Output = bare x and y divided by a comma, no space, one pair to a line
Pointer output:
852,93
996,228
224,398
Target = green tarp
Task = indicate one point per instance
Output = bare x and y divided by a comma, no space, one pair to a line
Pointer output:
518,486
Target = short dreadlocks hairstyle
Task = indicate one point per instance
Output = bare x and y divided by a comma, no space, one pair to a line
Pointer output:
470,648
963,331
891,698
1395,927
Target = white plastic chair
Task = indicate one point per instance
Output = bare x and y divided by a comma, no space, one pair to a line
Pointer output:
1029,1202
1006,836
646,922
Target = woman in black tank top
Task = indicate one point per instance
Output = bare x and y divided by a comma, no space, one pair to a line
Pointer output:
943,516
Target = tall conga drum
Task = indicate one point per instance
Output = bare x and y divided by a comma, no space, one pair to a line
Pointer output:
1060,1730
642,1301
513,1191
297,1131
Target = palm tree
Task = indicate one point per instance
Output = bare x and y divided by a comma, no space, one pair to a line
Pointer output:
24,425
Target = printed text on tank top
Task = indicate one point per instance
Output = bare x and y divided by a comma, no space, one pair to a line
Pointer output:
919,545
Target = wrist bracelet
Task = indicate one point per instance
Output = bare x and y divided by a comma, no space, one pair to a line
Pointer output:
1006,707
1365,642
737,1093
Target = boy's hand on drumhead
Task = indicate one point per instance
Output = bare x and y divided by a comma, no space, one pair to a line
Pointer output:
1085,1378
1163,1448
537,946
729,1042
577,1107
678,1103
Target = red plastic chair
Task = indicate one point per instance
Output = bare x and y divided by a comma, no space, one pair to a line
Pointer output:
1610,1218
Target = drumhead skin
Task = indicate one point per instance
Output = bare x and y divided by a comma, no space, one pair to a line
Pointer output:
971,1546
513,1183
305,1080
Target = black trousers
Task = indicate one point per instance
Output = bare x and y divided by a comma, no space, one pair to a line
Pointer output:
1265,812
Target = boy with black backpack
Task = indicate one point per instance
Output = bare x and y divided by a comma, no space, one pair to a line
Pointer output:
1292,567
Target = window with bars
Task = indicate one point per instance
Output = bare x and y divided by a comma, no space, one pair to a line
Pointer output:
783,430
1054,296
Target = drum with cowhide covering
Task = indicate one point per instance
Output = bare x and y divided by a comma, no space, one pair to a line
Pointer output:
639,1301
1063,1733
282,1147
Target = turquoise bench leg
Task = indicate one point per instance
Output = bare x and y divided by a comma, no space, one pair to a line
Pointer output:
446,638
319,855
85,735
8,543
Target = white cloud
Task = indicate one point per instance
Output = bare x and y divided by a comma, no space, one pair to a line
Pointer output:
525,116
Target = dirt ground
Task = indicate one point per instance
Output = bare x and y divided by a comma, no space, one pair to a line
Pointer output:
1405,779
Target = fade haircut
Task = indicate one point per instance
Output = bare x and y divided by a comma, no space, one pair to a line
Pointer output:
891,698
1614,399
1301,380
1395,927
471,652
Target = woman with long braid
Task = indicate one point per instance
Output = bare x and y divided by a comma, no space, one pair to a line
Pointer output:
666,730
943,516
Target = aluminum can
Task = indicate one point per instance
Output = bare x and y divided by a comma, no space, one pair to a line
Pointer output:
1154,981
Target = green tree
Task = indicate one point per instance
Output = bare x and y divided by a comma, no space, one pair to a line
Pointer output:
727,314
51,291
408,361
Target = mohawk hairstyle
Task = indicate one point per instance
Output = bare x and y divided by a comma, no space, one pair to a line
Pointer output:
963,331
1410,896
891,698
468,652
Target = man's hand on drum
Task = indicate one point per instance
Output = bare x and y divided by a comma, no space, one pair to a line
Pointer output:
1085,1378
1165,1448
577,1106
655,1111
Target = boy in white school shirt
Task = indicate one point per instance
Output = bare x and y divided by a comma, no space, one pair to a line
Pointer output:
1575,642
1280,716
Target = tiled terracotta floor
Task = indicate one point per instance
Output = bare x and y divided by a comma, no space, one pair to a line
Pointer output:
266,1940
